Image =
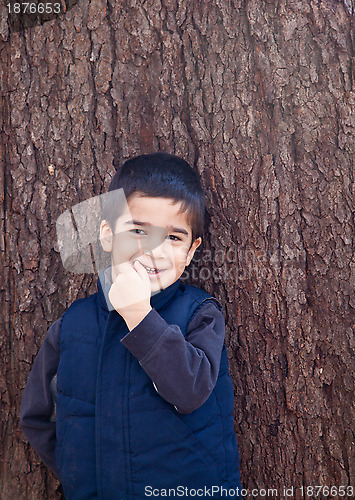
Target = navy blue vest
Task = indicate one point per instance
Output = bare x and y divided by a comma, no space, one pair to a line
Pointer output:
117,438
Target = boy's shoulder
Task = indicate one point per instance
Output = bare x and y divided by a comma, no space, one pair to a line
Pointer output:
198,294
198,304
199,298
89,301
82,307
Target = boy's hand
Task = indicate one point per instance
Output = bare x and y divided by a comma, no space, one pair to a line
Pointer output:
130,293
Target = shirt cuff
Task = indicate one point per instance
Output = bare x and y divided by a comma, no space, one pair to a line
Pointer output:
143,337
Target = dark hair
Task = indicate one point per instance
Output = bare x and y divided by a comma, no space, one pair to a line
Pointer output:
161,175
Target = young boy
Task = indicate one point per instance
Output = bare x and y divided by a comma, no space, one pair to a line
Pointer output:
144,399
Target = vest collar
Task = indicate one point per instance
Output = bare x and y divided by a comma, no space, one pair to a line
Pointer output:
157,301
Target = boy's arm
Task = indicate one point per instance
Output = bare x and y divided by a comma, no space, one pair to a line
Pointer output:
37,406
183,370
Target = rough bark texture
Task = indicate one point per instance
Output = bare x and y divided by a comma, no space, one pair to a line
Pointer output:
258,96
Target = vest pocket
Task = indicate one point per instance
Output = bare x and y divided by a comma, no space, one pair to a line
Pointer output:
61,434
168,454
184,436
75,457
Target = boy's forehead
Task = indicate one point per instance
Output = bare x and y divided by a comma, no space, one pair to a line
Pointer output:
164,212
140,201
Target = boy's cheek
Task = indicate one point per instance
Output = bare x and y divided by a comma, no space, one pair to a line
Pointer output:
124,249
180,267
180,253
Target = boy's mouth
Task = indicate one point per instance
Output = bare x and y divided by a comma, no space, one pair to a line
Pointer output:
153,270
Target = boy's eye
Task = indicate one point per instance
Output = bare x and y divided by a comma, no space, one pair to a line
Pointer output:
141,232
138,231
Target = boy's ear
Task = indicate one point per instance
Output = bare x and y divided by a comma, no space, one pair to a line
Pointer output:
106,236
192,250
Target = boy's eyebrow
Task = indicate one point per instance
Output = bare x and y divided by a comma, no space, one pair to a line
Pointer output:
173,229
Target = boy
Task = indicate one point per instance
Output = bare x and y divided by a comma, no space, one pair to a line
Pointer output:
144,399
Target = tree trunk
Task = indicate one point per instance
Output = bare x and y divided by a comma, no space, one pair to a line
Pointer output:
258,97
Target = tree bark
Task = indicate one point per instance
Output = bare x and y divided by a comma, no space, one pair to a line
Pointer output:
259,98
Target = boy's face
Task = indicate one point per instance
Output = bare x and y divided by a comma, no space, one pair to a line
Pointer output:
153,232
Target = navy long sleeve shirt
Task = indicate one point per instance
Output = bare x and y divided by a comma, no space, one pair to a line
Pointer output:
183,370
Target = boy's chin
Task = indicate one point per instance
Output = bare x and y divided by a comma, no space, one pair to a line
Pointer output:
157,287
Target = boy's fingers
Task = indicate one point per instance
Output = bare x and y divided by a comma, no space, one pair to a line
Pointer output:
129,268
122,270
141,270
124,267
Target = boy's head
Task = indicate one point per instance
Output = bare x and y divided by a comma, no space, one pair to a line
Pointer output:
166,209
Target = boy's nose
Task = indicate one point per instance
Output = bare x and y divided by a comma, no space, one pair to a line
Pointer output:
161,251
154,240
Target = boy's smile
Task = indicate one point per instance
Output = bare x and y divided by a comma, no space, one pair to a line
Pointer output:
154,232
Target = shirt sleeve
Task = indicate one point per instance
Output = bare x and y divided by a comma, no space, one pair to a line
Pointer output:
37,413
183,370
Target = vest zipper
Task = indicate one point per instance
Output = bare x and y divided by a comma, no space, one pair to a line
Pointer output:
126,422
